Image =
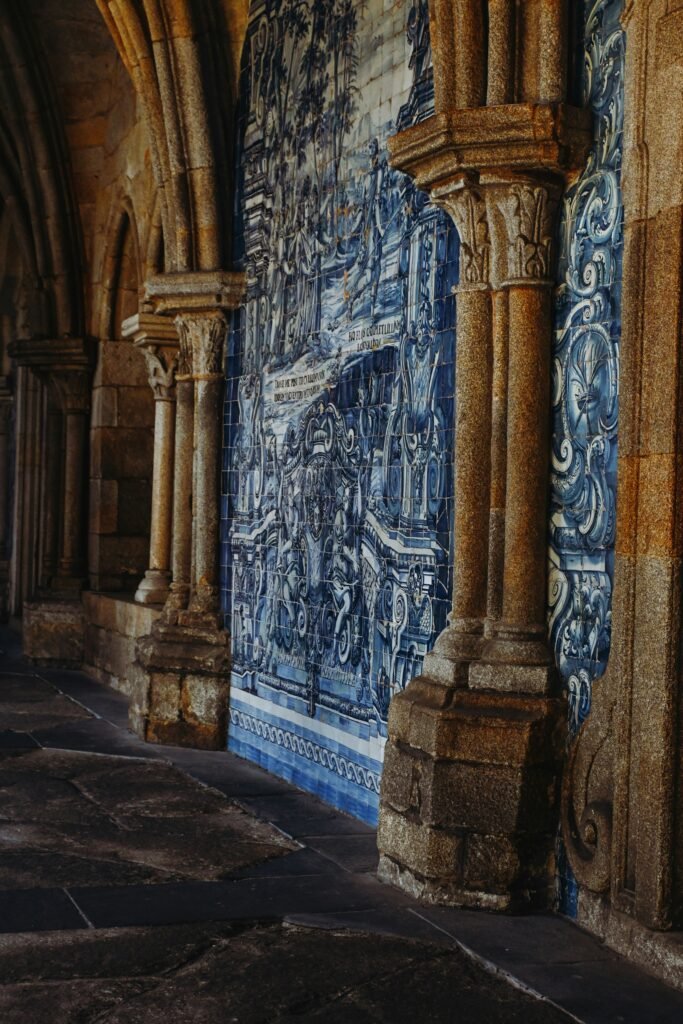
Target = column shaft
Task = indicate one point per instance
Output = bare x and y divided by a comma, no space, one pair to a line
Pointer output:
528,415
208,395
162,487
51,502
501,52
181,549
154,586
4,473
70,562
496,558
472,465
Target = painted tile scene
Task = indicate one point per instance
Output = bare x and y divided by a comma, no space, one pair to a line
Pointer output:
339,425
341,529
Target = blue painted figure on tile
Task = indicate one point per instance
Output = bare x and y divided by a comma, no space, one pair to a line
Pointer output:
340,394
586,385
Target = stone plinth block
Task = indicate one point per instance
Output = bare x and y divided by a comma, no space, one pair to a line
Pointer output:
469,800
184,686
53,633
114,625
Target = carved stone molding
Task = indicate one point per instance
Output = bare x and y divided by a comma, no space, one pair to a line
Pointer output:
161,367
171,294
548,137
202,339
522,221
467,207
42,355
157,339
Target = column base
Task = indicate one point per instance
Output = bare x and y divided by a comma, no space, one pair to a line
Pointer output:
153,588
469,800
448,662
53,632
183,694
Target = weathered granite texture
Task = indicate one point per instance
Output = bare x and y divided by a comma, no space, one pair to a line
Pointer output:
113,626
54,632
213,974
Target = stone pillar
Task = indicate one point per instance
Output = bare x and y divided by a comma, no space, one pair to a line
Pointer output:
181,547
204,336
51,503
156,339
463,638
73,390
522,217
469,809
53,620
185,662
5,409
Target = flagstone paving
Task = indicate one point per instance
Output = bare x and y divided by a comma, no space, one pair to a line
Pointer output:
143,884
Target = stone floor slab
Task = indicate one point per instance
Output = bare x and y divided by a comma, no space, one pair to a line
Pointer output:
274,974
357,854
301,815
11,740
32,910
97,825
75,818
243,900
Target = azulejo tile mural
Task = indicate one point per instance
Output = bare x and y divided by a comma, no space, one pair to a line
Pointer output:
586,385
339,411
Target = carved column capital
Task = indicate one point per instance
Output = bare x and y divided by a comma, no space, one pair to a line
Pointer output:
157,339
202,343
161,369
521,215
465,204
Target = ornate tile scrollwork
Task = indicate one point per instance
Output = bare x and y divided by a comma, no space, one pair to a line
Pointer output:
586,384
337,484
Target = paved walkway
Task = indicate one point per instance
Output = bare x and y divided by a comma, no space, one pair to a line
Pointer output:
153,884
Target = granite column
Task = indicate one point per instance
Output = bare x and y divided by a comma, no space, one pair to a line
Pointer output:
185,661
469,791
156,339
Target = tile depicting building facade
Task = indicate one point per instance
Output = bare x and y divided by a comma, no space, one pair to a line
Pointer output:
339,410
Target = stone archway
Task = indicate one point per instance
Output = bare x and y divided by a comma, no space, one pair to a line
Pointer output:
121,439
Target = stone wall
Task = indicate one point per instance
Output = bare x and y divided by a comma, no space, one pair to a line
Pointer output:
113,625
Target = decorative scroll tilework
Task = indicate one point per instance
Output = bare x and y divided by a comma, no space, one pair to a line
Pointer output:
338,435
586,386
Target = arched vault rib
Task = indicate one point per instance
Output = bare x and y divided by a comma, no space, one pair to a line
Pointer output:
34,179
167,47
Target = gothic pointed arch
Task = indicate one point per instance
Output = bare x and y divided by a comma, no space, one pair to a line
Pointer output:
181,58
34,179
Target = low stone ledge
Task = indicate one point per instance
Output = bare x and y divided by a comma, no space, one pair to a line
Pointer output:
184,686
53,632
113,626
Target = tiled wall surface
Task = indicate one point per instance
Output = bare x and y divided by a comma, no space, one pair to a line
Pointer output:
586,385
338,434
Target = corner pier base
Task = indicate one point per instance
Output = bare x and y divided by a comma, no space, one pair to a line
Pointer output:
183,693
470,796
